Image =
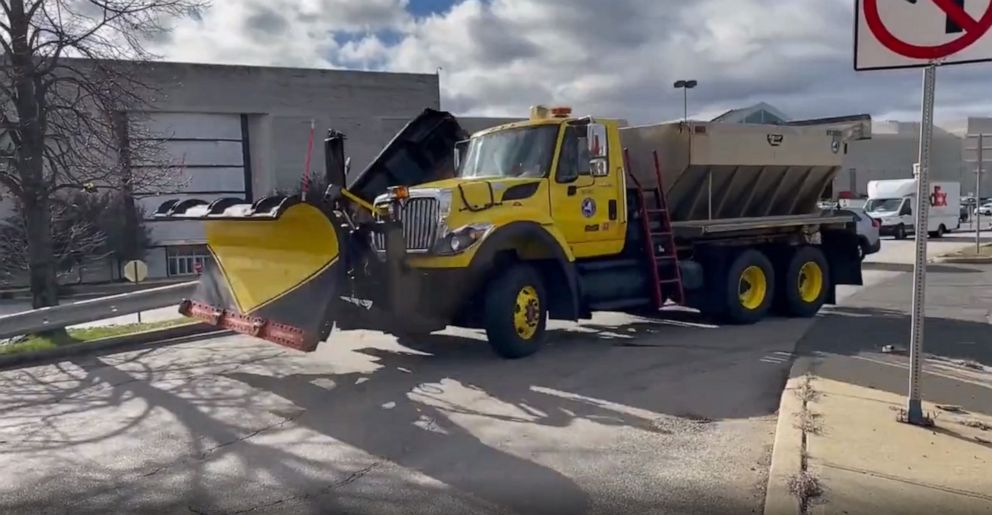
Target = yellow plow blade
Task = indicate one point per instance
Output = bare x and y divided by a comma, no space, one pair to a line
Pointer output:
276,269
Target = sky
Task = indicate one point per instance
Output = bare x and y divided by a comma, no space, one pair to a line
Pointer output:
615,58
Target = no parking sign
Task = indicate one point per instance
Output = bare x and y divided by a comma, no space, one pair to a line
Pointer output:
914,33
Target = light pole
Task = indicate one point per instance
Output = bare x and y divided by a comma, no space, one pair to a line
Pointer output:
685,86
438,73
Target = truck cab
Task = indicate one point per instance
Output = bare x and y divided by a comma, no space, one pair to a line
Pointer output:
562,176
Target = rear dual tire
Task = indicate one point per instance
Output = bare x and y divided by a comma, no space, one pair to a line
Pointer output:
751,286
742,292
806,283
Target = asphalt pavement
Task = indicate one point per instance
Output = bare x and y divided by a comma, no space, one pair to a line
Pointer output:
621,414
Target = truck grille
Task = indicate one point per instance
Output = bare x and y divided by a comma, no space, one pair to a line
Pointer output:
419,217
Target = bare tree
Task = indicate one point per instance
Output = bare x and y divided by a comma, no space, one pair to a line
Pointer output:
77,237
62,86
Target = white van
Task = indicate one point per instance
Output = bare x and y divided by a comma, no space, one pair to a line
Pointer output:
893,203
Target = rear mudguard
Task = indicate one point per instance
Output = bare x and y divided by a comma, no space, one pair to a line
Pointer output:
278,268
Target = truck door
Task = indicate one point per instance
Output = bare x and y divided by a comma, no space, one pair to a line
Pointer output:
906,212
584,201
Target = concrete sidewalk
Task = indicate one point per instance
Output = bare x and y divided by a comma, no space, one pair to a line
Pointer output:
838,443
855,457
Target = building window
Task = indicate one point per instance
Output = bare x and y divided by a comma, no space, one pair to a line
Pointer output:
187,260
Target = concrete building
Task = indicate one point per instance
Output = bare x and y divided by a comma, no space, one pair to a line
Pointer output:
242,131
968,130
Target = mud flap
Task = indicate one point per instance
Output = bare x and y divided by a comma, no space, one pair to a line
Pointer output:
276,274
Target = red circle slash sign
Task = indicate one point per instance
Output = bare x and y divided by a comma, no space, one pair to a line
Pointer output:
973,31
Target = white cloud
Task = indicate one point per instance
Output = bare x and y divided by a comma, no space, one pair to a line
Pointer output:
616,58
278,32
365,52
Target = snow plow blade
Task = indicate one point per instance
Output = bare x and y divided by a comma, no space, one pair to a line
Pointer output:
275,272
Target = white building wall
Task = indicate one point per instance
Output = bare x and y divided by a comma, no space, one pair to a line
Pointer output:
278,106
891,153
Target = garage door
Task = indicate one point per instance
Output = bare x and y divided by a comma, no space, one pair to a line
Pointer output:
209,151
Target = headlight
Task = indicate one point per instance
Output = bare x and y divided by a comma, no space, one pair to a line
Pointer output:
461,239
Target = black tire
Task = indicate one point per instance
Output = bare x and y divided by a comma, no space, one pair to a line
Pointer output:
501,307
731,304
941,231
900,232
796,282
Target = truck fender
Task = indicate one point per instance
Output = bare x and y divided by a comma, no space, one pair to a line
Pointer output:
531,242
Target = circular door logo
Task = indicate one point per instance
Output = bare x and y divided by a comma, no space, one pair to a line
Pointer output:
588,207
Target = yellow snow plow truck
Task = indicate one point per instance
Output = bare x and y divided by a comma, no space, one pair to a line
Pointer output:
552,217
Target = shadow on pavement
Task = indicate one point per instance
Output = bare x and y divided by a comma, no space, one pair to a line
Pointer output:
847,345
645,376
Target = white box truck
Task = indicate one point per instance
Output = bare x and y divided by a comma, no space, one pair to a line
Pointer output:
893,202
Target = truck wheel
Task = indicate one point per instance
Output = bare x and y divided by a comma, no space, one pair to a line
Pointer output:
900,232
750,283
806,282
516,312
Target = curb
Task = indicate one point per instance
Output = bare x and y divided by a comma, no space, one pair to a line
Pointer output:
786,453
165,336
966,260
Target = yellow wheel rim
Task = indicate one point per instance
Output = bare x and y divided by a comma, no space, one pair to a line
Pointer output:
810,282
527,313
753,287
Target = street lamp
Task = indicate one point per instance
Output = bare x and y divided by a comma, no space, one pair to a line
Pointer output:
685,86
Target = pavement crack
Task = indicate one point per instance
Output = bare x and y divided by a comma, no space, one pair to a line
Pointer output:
194,509
804,485
153,472
354,476
252,434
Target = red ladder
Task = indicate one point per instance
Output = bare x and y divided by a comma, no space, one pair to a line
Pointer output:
656,226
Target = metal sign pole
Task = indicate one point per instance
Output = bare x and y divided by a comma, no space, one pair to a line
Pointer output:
978,196
914,412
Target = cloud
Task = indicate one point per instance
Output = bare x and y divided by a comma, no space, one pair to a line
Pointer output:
616,58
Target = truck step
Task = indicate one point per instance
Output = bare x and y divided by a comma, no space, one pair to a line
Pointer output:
607,264
612,305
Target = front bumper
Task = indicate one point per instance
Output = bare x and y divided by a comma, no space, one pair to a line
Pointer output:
871,248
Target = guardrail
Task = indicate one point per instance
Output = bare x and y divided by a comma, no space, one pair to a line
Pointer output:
55,317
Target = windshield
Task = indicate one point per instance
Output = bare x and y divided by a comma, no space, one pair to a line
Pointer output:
883,204
524,152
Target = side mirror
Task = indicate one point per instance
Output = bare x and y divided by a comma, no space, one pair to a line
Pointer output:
599,167
457,158
596,138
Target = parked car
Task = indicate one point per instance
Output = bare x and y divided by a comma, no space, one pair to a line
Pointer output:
984,209
868,231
